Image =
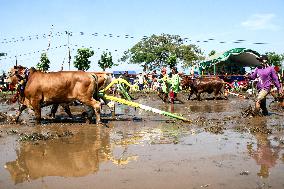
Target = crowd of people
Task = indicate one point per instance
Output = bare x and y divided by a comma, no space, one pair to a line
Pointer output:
5,85
168,85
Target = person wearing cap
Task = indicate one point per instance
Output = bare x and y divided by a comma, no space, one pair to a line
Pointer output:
266,76
164,80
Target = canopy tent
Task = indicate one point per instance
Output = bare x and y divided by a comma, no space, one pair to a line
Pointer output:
242,56
131,72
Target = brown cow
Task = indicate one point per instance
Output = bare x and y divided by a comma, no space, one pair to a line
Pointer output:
201,85
42,89
104,79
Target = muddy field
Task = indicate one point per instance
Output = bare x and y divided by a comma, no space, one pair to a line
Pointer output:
138,149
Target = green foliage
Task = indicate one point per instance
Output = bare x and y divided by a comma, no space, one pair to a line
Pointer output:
81,59
275,59
172,61
43,65
158,51
106,61
212,53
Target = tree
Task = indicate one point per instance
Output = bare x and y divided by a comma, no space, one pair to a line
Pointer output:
275,59
213,52
106,61
172,61
81,59
159,51
43,65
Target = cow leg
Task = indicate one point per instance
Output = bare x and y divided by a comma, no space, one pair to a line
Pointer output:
190,94
89,113
66,108
21,109
198,96
37,110
216,93
97,108
53,110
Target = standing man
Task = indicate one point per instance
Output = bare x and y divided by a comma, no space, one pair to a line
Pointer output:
140,78
266,76
175,84
164,89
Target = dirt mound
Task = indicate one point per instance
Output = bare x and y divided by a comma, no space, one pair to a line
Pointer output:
3,117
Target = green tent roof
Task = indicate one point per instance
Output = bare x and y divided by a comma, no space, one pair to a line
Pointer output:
242,56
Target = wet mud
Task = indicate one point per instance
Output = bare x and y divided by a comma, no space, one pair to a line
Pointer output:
220,148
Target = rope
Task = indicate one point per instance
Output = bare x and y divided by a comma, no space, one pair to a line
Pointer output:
135,104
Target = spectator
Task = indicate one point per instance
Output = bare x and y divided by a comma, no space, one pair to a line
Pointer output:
163,92
140,78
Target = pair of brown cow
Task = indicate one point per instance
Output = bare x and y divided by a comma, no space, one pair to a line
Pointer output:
198,86
39,89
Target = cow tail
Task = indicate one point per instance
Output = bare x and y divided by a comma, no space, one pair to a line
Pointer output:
96,87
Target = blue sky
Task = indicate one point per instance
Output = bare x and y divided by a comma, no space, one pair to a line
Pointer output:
199,20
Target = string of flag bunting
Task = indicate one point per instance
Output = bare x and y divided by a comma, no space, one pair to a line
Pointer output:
110,35
53,48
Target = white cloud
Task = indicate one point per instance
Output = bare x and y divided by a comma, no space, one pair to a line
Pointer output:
260,22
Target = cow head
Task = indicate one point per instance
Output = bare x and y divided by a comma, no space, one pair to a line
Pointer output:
18,73
15,74
17,78
187,82
104,79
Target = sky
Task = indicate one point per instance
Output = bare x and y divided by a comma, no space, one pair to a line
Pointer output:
117,25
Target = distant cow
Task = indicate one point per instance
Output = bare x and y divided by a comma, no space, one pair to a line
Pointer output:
201,85
40,89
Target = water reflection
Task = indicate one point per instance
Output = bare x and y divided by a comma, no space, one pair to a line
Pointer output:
76,156
207,108
264,153
82,153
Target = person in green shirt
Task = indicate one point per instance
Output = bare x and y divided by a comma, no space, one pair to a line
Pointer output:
174,85
164,89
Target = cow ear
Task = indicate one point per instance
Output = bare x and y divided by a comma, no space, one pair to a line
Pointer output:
32,70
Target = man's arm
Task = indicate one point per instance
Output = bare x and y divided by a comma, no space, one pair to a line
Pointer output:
275,78
253,75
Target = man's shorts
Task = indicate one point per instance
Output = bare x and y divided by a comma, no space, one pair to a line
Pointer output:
261,95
